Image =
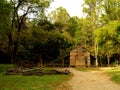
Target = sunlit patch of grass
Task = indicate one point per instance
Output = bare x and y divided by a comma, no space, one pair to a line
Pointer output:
19,82
115,74
86,69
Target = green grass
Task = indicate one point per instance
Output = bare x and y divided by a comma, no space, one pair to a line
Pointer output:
115,74
3,67
86,69
18,82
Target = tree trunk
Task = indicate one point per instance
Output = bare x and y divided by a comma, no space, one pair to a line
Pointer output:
10,48
101,64
40,63
63,64
15,50
108,59
16,45
61,56
96,54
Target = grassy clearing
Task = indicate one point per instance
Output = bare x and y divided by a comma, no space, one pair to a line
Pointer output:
115,74
18,82
86,69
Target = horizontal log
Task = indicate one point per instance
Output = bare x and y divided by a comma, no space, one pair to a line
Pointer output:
39,72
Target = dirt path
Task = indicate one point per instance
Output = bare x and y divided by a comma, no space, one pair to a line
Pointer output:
93,80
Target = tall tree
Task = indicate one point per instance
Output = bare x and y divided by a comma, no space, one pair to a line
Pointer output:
5,21
107,37
21,10
60,18
92,8
74,28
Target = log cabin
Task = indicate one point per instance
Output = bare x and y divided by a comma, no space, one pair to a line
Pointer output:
80,57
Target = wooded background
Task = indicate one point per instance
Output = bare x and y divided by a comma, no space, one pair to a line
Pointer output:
28,33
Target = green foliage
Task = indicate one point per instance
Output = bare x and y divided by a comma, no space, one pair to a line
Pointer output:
73,25
60,15
115,63
115,74
41,38
112,6
5,16
106,36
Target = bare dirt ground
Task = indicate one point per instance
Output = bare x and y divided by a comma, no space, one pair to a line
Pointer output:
92,80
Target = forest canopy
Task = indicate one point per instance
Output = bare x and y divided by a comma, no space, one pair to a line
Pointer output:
48,39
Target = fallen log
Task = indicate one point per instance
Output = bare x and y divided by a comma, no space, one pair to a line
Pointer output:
13,71
64,72
39,72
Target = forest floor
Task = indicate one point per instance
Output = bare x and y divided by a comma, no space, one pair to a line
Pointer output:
91,80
